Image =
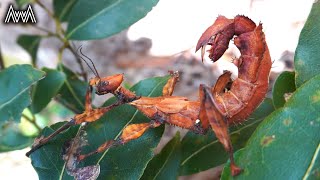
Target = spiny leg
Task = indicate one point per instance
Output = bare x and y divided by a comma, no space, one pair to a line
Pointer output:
39,142
170,85
218,123
88,105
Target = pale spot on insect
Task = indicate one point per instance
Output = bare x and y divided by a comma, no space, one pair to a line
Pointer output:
84,124
267,140
287,121
197,121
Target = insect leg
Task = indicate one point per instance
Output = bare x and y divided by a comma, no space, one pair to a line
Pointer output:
131,132
88,105
218,124
39,142
169,87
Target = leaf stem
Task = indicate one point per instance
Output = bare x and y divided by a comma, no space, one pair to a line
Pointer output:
49,33
67,81
32,121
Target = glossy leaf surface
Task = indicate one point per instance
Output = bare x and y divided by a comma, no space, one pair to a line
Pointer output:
62,8
101,19
165,165
307,55
46,89
282,89
15,83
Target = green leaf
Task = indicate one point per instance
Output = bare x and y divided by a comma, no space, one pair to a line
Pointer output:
204,152
286,144
21,3
12,138
31,44
15,82
122,162
46,89
166,164
73,91
283,86
62,8
307,56
101,19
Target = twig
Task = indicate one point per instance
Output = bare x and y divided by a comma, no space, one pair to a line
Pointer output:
32,121
57,23
48,32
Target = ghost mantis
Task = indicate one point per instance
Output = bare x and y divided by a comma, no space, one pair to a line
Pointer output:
228,102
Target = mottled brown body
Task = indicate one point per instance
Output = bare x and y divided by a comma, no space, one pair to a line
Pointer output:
224,105
249,89
174,110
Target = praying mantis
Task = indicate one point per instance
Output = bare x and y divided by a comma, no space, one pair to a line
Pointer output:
228,102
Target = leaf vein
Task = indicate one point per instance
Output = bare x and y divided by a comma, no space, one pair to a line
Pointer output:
166,161
92,17
14,98
316,153
213,142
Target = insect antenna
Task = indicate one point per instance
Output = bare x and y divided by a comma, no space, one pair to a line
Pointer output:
81,55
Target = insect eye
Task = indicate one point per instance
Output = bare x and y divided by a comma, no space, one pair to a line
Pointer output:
103,83
96,83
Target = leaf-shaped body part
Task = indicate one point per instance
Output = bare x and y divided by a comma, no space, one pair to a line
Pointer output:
174,110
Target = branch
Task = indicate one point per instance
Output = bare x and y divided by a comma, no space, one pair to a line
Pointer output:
32,121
